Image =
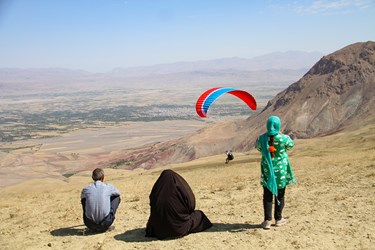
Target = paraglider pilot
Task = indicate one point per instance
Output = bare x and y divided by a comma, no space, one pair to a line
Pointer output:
229,156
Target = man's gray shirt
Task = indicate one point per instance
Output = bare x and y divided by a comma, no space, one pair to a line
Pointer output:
98,200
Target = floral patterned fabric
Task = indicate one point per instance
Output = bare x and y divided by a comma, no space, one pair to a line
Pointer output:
281,165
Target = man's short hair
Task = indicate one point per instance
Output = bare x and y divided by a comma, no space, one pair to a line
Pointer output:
97,174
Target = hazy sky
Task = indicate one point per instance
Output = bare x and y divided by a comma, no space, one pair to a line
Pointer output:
99,35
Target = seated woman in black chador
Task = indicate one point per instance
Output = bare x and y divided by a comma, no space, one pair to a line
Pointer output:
173,211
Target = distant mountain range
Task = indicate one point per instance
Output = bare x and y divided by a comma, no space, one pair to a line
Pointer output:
274,70
294,60
291,60
337,92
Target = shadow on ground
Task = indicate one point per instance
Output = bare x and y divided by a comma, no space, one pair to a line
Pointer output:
135,235
138,234
79,230
235,227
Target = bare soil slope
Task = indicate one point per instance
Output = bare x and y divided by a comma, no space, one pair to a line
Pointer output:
331,207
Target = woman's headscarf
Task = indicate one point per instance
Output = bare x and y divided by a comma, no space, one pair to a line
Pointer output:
273,125
273,128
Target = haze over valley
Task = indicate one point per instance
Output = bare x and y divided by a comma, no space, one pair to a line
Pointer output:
38,103
54,122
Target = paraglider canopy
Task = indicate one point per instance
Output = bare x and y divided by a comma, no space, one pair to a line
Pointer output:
209,96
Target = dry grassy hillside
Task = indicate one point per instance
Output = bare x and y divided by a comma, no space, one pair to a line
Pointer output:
331,207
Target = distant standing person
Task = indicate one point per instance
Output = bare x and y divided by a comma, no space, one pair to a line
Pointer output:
276,171
99,203
229,156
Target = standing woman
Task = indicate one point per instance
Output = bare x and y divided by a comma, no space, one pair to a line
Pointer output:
276,171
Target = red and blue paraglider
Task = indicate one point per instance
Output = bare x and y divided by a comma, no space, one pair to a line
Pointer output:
209,96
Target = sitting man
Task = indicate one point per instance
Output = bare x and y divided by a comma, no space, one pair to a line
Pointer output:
99,202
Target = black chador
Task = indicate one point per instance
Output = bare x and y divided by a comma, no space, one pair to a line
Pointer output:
173,211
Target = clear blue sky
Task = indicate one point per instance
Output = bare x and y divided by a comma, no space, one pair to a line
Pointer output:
99,35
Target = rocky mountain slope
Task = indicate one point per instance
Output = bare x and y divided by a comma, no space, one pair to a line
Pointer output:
337,91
